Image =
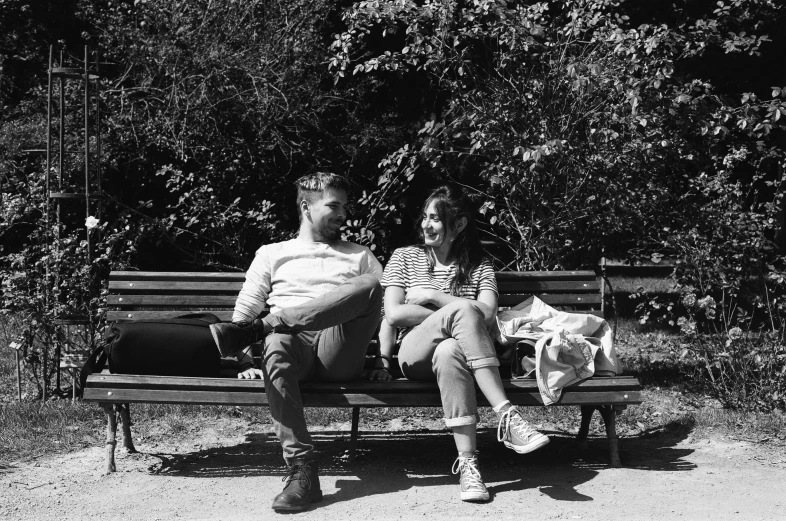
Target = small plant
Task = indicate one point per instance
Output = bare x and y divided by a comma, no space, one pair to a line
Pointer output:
742,367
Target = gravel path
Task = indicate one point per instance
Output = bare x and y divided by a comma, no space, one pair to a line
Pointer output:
405,475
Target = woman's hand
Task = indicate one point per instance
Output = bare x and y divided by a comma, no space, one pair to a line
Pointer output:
419,296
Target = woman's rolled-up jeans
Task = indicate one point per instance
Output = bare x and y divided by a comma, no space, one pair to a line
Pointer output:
449,345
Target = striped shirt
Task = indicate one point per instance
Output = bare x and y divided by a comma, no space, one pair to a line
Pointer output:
408,268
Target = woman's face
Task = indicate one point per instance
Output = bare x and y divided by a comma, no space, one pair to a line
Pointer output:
435,231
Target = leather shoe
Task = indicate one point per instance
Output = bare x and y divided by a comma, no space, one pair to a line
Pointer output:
232,337
302,487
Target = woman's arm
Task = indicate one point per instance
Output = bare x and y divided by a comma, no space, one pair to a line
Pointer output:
486,302
387,344
402,314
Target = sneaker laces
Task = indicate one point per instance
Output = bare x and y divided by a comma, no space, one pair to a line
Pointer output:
468,467
511,421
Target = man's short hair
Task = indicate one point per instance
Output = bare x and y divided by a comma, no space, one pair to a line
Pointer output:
311,187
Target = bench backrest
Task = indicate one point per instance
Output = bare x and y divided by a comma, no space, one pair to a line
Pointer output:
144,294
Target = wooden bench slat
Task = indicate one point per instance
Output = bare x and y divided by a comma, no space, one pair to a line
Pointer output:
240,276
565,299
138,286
504,276
560,286
223,314
251,398
172,300
175,275
173,383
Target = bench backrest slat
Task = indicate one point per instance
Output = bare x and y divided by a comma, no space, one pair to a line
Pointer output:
225,315
139,286
549,286
556,300
545,275
214,276
171,300
144,295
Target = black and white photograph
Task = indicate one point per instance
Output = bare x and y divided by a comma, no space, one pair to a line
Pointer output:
392,260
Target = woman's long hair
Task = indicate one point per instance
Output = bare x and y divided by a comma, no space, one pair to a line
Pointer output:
451,204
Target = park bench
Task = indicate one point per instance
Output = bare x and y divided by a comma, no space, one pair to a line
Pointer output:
144,295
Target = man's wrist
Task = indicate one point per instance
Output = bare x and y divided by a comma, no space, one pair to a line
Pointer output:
245,366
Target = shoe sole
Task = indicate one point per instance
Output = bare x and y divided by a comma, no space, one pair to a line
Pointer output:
474,496
535,445
294,508
214,334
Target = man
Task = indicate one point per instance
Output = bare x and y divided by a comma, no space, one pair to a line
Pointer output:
325,304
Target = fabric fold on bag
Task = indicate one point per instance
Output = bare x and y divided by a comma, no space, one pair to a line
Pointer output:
569,347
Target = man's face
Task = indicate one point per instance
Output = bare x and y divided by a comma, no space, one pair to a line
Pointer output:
327,214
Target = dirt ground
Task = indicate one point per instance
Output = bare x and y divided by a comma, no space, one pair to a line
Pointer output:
405,474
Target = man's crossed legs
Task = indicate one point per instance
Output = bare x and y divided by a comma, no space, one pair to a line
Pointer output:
325,339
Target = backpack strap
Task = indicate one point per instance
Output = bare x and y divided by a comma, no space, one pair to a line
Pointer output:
95,363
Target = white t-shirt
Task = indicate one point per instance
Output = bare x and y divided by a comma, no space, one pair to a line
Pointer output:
289,273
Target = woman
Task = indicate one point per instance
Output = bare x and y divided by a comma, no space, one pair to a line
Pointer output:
442,294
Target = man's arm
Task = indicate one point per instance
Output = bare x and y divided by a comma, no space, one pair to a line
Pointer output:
251,300
373,266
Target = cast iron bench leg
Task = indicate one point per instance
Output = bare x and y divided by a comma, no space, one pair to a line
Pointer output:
586,417
125,418
111,431
353,440
609,415
111,412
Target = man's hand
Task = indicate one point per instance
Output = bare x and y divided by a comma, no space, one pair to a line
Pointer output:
379,375
419,296
251,373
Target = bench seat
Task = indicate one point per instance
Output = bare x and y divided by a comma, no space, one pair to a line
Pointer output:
120,388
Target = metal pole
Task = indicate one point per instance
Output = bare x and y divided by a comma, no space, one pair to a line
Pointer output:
98,136
100,203
87,151
60,146
48,188
18,371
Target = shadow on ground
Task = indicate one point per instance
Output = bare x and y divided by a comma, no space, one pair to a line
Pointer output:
389,462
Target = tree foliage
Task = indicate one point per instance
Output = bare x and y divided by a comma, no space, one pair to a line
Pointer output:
575,128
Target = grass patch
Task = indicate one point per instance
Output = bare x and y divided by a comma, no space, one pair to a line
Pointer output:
742,425
33,429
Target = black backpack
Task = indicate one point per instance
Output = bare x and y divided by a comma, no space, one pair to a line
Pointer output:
180,346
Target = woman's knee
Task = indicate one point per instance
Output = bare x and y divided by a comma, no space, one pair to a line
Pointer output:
464,308
448,357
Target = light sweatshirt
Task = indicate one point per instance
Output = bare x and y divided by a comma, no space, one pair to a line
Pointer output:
290,273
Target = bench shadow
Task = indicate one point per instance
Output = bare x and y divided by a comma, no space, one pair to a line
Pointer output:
390,462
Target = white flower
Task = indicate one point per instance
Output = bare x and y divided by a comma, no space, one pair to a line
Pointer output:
735,333
91,222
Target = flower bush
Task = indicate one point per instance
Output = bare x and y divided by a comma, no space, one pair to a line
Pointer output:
741,367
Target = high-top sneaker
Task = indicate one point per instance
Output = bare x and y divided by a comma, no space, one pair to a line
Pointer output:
517,434
472,486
